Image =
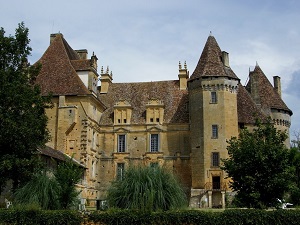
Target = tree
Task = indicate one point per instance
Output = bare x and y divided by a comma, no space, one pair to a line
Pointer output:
146,189
67,175
295,188
258,165
22,110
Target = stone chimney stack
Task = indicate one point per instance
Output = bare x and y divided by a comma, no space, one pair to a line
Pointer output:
225,58
183,76
254,87
106,80
277,84
52,36
83,53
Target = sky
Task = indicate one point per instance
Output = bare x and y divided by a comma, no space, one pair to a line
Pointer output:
144,40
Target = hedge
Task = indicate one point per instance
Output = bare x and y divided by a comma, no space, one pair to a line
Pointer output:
127,217
39,217
195,217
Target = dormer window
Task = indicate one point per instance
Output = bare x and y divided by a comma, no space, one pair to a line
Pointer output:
154,111
122,112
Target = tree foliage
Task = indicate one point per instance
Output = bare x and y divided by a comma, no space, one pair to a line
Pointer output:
259,166
22,118
68,174
146,189
295,162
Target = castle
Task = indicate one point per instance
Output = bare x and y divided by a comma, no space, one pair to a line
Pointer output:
180,124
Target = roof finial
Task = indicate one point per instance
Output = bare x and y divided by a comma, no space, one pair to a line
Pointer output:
101,69
179,65
111,74
210,33
185,66
107,70
257,64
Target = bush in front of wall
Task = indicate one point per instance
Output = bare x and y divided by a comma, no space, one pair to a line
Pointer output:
40,217
195,217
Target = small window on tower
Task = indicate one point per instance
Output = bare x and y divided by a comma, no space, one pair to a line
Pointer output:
215,159
214,131
157,120
151,120
213,96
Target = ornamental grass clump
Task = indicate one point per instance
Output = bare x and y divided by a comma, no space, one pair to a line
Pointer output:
147,189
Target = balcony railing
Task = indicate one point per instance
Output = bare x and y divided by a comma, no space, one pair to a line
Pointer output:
215,186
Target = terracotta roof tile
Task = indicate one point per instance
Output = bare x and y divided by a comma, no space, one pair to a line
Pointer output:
82,64
268,97
57,154
138,95
210,62
248,112
57,75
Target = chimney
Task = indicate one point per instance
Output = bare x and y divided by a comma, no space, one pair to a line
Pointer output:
53,36
82,53
94,60
277,84
225,58
183,76
106,80
254,87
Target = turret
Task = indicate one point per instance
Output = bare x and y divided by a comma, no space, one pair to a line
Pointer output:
183,76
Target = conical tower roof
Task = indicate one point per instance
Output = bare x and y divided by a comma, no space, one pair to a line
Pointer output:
211,63
57,75
263,92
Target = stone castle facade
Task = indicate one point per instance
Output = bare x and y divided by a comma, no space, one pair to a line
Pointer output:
180,124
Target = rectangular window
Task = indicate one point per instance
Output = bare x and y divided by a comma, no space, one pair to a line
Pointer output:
215,159
213,96
154,143
120,171
121,143
214,131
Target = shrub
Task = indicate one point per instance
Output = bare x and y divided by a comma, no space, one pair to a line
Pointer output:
146,189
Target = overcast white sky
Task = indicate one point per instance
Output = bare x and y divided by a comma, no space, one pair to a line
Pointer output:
144,40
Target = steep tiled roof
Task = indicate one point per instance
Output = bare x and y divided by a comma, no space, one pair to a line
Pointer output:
56,154
82,64
248,112
210,62
138,95
57,75
268,97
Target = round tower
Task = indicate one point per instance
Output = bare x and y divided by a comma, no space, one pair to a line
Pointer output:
213,120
